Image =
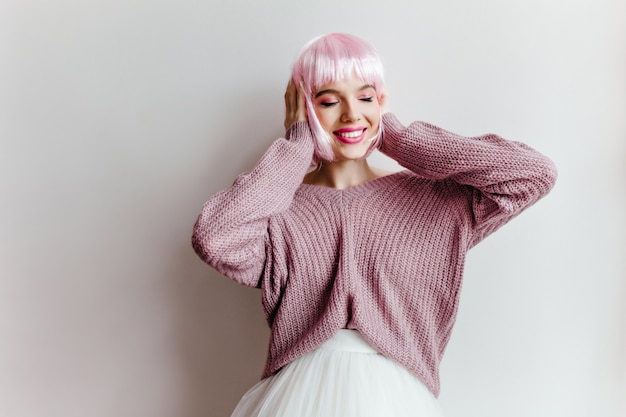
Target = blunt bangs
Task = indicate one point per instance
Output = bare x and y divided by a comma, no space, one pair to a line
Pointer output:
333,57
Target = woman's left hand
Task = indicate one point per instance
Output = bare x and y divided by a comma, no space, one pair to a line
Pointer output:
384,101
295,106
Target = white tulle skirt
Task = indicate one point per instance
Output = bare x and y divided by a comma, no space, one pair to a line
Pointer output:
345,377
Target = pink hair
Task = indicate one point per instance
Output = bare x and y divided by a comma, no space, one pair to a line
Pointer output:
330,58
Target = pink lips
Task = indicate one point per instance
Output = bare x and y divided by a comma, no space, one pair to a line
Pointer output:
350,140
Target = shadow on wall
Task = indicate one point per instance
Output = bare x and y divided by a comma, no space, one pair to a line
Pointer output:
219,328
241,133
219,333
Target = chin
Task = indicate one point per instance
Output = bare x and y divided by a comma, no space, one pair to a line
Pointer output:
351,156
348,154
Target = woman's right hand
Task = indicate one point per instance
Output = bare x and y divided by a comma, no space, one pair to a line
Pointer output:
295,105
384,101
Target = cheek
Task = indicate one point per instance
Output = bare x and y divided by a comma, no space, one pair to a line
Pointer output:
324,118
374,115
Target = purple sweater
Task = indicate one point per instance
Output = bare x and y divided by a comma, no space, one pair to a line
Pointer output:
384,257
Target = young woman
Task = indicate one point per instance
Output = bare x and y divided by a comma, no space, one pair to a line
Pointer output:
359,269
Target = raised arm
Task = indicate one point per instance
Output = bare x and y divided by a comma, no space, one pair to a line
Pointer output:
231,231
501,177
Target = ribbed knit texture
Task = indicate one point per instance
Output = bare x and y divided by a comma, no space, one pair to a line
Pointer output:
384,257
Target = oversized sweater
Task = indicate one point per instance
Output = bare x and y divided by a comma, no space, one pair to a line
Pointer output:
384,257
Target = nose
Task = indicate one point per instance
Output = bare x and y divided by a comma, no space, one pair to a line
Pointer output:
350,113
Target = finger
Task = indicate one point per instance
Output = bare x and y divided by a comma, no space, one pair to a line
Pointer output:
384,100
301,104
289,92
290,103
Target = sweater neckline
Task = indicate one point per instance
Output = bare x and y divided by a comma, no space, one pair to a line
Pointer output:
354,190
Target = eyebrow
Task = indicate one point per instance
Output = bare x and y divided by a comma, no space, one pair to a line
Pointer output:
331,91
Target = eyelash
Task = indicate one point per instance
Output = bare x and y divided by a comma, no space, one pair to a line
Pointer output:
332,103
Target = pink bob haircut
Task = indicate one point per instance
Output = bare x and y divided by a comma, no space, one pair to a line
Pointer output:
327,59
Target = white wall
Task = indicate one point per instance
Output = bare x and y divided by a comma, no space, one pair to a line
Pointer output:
118,119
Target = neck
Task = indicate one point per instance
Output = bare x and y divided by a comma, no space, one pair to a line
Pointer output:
341,174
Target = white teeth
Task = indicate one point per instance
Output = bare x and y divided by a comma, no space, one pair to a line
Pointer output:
351,135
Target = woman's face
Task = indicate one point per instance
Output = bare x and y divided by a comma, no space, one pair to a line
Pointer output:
349,112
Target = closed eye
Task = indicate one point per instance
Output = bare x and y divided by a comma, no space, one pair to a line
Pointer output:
328,103
367,99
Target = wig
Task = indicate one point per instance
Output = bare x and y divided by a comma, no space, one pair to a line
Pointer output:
327,59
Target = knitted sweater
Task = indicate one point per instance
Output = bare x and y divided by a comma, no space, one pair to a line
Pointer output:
384,257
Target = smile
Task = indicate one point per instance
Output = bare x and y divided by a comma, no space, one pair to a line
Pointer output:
350,136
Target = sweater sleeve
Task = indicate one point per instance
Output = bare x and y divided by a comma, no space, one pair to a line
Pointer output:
231,231
500,177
